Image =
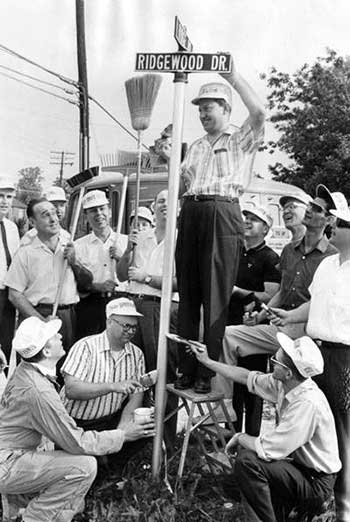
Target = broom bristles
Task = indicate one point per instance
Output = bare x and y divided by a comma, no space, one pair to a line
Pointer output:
141,92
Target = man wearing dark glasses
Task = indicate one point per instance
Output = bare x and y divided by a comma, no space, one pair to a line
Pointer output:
295,463
328,316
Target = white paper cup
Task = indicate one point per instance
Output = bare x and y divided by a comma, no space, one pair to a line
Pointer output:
142,415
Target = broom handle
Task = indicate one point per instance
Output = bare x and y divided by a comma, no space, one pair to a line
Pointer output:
65,263
121,208
137,199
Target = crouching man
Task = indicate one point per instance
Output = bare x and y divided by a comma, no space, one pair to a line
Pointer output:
294,464
101,375
57,481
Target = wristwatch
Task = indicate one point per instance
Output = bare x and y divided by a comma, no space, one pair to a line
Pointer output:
148,280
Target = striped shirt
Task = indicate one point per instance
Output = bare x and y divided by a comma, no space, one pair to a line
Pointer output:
223,168
92,360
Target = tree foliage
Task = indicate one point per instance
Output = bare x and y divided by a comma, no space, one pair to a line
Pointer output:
311,111
29,184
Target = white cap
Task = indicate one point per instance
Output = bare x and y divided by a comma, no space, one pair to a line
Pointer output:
215,90
32,335
6,182
95,198
55,194
144,213
342,213
302,197
260,212
121,306
304,353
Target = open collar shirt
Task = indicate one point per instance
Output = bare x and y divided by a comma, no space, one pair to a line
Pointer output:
221,168
12,237
305,428
329,314
31,408
92,360
298,268
36,271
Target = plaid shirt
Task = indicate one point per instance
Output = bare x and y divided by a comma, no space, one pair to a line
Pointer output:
92,360
223,168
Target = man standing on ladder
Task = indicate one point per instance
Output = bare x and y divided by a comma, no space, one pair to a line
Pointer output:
216,169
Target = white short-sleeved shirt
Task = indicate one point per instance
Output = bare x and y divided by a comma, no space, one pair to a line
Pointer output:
329,314
36,271
94,255
12,238
305,429
92,360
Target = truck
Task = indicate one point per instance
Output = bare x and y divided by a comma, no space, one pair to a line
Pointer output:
260,192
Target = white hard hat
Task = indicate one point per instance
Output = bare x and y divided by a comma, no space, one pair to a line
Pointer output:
55,194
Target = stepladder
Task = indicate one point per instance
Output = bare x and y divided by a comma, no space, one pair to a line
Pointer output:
208,420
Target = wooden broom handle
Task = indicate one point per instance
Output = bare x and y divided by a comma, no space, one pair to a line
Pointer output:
65,263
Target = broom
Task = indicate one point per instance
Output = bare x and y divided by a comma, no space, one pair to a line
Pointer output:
141,92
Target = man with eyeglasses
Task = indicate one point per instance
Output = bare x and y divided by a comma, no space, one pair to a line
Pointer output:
102,378
295,463
328,319
298,263
293,213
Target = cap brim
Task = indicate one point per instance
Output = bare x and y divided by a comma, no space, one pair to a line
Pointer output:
286,343
284,199
196,101
257,214
51,328
323,193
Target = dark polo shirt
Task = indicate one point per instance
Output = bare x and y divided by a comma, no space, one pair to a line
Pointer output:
257,266
298,268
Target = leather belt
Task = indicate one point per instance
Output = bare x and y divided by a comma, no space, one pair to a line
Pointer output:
209,197
60,307
145,297
328,344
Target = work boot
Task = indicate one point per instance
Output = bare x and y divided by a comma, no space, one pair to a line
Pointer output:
202,385
183,382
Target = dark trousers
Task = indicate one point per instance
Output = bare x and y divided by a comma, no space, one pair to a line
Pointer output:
272,489
209,243
7,323
146,338
335,383
116,461
91,315
243,400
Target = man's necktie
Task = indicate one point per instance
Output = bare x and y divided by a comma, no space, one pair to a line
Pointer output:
4,242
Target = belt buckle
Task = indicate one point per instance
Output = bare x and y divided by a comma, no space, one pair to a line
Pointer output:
196,197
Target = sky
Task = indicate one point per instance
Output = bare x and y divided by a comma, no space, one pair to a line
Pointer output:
259,34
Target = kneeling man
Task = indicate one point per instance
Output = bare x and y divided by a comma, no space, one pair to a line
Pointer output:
56,481
296,463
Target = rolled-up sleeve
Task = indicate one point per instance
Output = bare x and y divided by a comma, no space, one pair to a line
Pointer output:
264,385
296,427
49,417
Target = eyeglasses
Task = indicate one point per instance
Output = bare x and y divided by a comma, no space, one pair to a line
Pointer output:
317,208
126,326
273,360
340,223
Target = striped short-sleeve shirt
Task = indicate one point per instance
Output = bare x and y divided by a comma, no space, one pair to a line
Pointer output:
92,360
222,168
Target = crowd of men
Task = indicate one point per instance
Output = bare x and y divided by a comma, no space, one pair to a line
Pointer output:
104,336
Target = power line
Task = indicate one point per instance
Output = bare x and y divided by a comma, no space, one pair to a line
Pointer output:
37,79
60,76
116,121
39,89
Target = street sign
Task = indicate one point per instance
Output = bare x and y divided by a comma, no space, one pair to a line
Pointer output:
183,62
180,34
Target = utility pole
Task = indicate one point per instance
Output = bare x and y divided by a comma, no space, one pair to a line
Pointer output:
61,158
83,85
